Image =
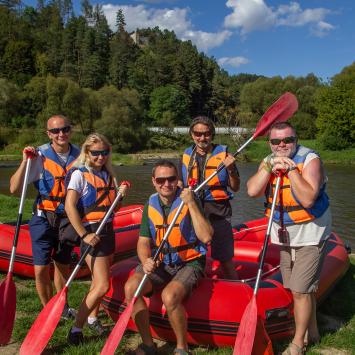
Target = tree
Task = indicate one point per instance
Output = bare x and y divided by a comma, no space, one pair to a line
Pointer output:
336,111
10,102
169,106
120,21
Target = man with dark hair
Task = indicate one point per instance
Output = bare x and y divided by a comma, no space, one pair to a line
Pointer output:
200,161
48,170
301,223
183,259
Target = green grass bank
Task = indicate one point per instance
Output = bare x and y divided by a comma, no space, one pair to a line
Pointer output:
336,315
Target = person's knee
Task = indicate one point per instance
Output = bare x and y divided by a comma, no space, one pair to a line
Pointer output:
298,296
171,298
42,272
130,288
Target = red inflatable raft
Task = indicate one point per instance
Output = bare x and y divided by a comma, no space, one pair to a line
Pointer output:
216,306
126,226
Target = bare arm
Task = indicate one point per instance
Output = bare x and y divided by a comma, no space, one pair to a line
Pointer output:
17,178
144,253
72,212
234,180
256,185
203,228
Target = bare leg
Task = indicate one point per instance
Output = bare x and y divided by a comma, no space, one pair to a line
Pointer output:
61,275
229,270
43,283
303,312
172,297
99,267
140,313
313,333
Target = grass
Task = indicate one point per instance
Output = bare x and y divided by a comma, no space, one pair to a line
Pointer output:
339,305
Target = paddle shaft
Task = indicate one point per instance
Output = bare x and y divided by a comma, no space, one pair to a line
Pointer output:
267,235
19,216
87,250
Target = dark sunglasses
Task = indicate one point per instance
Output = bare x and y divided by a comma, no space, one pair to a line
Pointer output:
161,180
286,140
96,153
200,134
65,129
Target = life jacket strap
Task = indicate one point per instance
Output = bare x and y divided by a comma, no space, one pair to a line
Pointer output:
170,250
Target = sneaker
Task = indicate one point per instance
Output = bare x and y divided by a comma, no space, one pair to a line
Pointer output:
75,338
97,328
68,313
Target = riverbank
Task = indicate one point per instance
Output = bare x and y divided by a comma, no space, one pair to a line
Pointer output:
336,316
255,152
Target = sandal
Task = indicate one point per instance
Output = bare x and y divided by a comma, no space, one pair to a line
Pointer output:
146,349
181,352
293,349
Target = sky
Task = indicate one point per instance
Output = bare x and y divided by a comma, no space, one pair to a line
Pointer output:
264,37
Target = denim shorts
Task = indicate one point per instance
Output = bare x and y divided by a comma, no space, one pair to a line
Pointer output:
45,243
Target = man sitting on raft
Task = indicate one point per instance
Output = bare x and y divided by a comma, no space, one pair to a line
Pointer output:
182,262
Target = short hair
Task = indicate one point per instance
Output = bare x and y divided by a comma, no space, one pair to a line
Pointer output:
205,121
166,163
65,118
282,125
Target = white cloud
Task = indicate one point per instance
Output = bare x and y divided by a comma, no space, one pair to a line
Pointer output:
252,15
233,61
175,19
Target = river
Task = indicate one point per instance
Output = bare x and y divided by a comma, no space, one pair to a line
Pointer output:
341,190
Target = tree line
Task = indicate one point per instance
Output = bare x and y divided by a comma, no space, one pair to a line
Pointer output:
54,61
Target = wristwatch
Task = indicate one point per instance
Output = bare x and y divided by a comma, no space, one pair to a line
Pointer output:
292,168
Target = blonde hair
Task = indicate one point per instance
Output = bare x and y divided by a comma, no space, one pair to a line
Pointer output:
83,158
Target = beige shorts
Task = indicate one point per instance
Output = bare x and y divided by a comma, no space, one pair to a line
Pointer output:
301,267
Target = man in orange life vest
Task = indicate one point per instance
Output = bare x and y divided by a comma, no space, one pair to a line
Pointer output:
48,170
183,259
199,161
301,223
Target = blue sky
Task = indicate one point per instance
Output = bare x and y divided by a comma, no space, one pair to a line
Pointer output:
266,37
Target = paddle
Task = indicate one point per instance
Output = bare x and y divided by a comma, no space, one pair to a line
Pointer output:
42,329
7,287
248,324
279,111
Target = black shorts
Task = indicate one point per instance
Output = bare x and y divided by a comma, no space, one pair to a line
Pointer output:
106,246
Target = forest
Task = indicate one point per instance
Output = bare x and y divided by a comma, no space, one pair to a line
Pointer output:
118,83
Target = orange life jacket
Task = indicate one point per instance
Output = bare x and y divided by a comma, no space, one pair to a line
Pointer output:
51,190
182,244
99,197
217,187
293,211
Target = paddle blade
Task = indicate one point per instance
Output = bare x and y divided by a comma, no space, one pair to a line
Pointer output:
7,308
246,332
44,326
262,342
117,332
281,110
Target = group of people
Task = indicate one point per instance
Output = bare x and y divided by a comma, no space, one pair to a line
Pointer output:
76,188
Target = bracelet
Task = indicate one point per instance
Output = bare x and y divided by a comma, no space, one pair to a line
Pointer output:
267,166
292,168
85,234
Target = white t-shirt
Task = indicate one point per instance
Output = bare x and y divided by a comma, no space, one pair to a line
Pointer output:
309,233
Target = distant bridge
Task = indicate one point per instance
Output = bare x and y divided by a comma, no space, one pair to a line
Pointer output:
185,130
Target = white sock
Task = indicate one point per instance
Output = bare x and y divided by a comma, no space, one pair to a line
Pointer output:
92,320
76,330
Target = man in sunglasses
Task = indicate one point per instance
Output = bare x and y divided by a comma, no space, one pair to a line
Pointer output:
302,223
183,257
48,170
200,161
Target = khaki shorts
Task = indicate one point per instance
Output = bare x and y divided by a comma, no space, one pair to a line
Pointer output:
188,276
301,267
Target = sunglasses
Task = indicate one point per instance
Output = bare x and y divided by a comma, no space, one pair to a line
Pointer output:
96,153
286,140
65,129
200,134
161,180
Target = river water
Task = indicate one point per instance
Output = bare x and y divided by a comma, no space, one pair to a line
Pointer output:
341,190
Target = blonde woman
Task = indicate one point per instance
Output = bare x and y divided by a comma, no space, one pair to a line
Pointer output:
90,192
